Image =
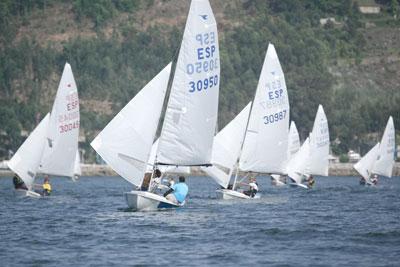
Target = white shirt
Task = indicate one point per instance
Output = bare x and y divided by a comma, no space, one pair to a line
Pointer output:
253,185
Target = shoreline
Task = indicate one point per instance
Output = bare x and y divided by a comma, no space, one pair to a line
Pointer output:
335,169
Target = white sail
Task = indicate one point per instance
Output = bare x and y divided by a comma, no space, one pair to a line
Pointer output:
26,160
294,141
226,147
365,164
384,163
63,131
166,169
77,165
299,164
266,141
191,115
125,143
319,145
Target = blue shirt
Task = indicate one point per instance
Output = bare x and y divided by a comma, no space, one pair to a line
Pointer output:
180,191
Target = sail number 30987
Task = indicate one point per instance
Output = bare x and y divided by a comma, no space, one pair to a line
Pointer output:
203,84
275,117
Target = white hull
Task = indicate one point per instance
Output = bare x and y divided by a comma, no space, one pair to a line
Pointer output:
146,201
232,194
298,185
26,193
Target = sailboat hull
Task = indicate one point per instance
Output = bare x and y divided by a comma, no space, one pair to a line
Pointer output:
26,193
231,194
146,201
298,185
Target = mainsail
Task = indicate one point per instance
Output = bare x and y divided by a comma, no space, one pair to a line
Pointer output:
384,163
319,145
125,143
191,115
266,141
26,160
63,131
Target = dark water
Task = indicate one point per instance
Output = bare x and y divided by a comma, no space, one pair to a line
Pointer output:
338,223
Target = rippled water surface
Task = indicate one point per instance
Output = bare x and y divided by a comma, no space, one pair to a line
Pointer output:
338,223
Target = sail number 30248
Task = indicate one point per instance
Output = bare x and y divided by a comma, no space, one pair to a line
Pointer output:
203,84
275,117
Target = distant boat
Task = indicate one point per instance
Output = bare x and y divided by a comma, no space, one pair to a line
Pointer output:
293,148
190,117
380,159
313,156
52,146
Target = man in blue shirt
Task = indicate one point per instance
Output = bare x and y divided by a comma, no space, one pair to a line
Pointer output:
178,191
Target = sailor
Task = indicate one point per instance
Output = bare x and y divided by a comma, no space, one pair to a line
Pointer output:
253,188
18,183
374,180
362,181
178,192
310,182
147,179
46,186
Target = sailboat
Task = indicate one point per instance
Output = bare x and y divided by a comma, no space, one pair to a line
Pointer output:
52,146
226,149
380,159
313,156
293,148
190,118
264,145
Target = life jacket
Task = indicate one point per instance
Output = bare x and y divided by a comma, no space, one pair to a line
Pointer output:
47,187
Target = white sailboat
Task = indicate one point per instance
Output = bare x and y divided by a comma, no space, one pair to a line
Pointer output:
313,156
190,118
52,146
267,127
365,165
293,148
226,149
380,159
26,160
